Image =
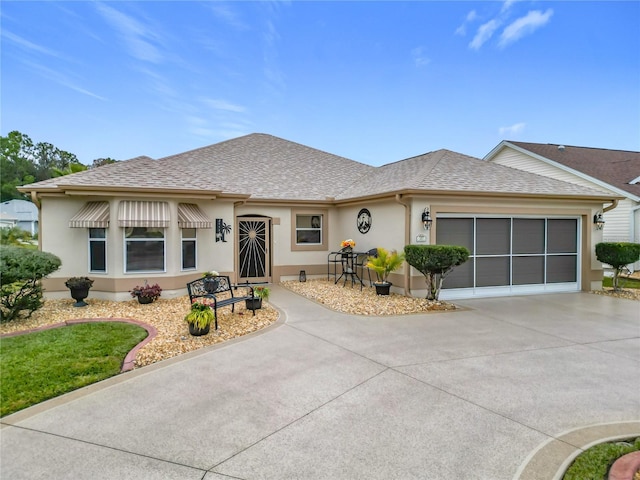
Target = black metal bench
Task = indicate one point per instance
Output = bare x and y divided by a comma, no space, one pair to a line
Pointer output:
212,286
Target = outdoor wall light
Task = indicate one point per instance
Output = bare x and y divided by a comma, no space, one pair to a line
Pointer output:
598,221
426,219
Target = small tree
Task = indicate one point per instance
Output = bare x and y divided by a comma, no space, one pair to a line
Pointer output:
618,255
21,272
435,262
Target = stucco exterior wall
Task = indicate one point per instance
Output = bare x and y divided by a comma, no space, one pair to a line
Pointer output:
590,269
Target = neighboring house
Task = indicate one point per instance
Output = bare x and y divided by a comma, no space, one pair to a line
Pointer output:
614,172
25,213
260,208
7,221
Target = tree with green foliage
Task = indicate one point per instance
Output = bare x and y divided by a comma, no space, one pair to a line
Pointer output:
14,236
16,165
99,162
618,255
435,262
21,274
22,162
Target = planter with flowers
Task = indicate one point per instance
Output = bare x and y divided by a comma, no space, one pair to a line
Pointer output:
347,245
259,293
211,281
200,318
79,287
146,293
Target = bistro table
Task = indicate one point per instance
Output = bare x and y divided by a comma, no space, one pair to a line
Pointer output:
348,262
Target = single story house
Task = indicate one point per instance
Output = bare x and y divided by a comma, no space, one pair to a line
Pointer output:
7,221
615,172
260,208
24,212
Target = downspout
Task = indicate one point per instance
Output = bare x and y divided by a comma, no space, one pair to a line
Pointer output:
407,238
614,204
36,201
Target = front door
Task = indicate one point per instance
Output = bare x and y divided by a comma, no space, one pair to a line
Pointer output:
253,249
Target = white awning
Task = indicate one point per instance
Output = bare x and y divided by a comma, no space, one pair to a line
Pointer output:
190,216
92,215
143,214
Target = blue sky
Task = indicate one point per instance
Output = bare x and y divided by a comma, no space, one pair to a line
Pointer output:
372,81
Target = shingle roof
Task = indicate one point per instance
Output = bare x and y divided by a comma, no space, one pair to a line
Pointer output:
444,170
615,167
267,167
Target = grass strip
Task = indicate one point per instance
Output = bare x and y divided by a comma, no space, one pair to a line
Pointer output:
623,282
38,366
595,462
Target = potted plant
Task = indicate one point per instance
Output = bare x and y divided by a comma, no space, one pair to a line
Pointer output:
211,282
79,287
200,318
146,293
259,293
383,264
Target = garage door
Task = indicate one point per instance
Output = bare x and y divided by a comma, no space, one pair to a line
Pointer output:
512,255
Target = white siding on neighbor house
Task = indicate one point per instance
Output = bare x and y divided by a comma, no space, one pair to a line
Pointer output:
616,227
511,158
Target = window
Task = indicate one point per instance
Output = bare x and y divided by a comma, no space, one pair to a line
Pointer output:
144,249
188,248
308,229
98,250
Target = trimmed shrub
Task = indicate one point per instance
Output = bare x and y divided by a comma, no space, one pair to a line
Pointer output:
618,255
21,271
435,262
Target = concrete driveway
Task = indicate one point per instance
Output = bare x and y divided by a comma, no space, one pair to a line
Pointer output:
505,388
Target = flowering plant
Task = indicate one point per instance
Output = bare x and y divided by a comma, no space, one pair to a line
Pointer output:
348,243
146,291
212,273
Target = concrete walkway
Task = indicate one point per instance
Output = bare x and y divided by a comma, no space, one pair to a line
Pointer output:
506,388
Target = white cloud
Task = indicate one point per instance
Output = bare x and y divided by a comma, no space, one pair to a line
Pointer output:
462,29
61,79
524,26
227,15
507,5
419,57
138,37
30,46
218,104
484,33
514,129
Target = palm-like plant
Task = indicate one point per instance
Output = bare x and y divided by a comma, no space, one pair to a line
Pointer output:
385,263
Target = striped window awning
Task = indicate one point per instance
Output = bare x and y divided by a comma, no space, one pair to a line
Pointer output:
92,215
143,214
190,216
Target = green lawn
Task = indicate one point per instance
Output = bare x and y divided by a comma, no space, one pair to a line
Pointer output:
595,462
623,282
42,365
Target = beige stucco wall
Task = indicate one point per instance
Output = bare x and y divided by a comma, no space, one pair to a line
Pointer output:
590,269
388,230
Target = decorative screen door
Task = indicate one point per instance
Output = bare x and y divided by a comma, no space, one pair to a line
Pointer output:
253,249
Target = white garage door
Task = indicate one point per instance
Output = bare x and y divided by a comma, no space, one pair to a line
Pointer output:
512,255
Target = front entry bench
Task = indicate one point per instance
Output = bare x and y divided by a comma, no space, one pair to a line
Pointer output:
197,289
